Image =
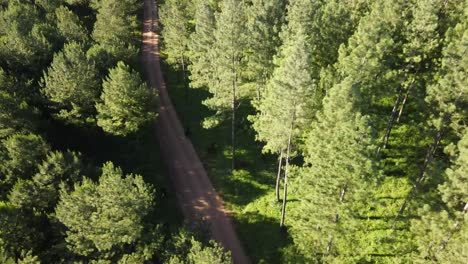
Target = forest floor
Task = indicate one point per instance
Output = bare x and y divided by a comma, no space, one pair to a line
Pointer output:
195,193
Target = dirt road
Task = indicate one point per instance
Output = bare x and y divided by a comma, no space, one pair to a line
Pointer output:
195,193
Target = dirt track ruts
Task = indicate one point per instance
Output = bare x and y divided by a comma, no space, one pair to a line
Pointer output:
195,193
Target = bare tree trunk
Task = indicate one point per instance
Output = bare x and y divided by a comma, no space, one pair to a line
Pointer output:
394,115
278,176
386,135
329,245
404,101
428,159
258,91
185,118
233,126
286,172
343,192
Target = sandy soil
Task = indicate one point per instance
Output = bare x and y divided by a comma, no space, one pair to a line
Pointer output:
195,193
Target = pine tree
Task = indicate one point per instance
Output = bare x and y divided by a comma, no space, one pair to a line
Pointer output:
70,26
333,187
71,85
176,31
441,235
288,101
58,171
229,51
200,46
265,19
419,51
24,44
15,114
127,102
22,153
103,218
116,31
447,96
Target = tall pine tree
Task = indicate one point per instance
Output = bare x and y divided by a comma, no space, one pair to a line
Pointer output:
229,52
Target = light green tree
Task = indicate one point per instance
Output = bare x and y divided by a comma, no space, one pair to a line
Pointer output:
332,188
441,235
287,105
229,48
127,102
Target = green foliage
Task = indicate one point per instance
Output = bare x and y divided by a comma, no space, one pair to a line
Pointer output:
451,89
18,230
338,150
117,30
70,26
103,218
127,102
289,98
230,44
15,114
58,171
453,190
72,85
201,47
21,154
187,250
24,38
209,254
264,21
176,30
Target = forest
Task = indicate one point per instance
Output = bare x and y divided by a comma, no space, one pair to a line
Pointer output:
340,126
334,130
80,177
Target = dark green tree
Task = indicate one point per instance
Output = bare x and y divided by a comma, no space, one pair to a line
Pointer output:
70,27
265,19
116,31
24,38
71,84
20,157
58,171
200,46
105,220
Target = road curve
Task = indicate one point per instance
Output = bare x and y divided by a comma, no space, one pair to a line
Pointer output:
195,193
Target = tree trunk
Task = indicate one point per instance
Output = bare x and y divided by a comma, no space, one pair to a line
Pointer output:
258,91
386,135
278,176
404,101
286,173
233,126
343,192
329,245
185,118
428,159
